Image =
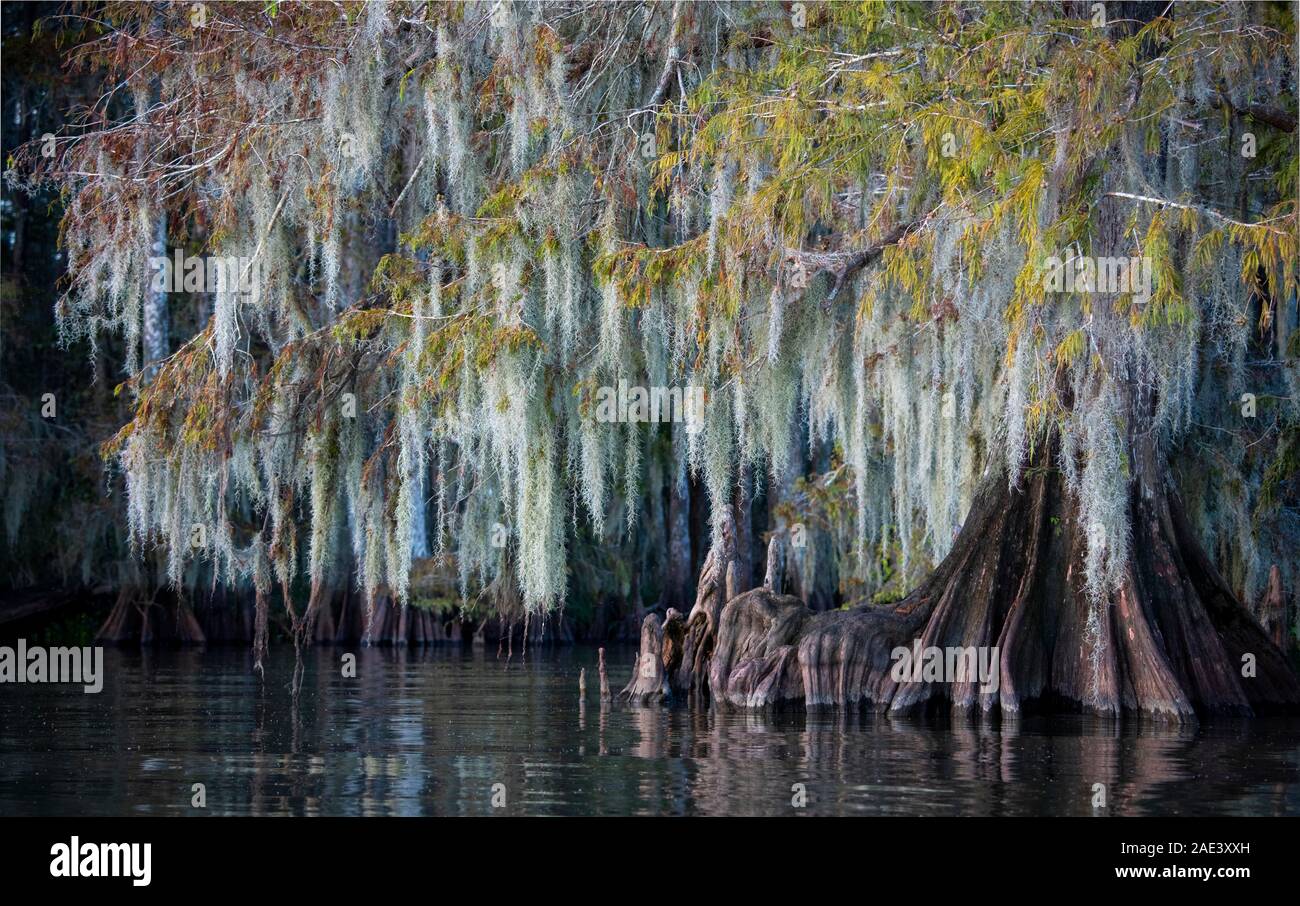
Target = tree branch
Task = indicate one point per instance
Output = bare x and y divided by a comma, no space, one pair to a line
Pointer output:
1274,116
674,56
1200,209
844,264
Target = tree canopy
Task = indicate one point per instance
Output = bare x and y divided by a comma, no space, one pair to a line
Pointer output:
846,222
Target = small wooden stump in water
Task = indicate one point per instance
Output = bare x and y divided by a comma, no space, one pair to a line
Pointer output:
659,661
604,680
648,681
582,684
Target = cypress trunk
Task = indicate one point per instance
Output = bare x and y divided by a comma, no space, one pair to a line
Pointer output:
1171,640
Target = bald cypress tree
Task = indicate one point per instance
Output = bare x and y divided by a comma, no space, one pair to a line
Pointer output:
983,275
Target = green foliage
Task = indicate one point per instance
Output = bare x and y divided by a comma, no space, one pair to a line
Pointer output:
840,229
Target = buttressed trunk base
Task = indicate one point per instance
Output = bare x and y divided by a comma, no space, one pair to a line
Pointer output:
1171,641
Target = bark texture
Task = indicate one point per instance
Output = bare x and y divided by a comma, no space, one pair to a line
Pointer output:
648,682
717,584
1272,610
1170,641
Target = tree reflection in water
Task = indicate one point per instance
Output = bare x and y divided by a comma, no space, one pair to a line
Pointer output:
431,731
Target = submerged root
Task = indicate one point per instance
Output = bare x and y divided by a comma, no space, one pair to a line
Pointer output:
140,618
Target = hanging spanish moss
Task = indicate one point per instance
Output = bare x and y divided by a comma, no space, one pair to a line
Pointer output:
969,304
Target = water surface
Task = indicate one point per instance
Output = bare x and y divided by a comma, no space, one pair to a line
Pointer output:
430,732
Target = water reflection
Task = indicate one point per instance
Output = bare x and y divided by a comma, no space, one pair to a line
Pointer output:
432,732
